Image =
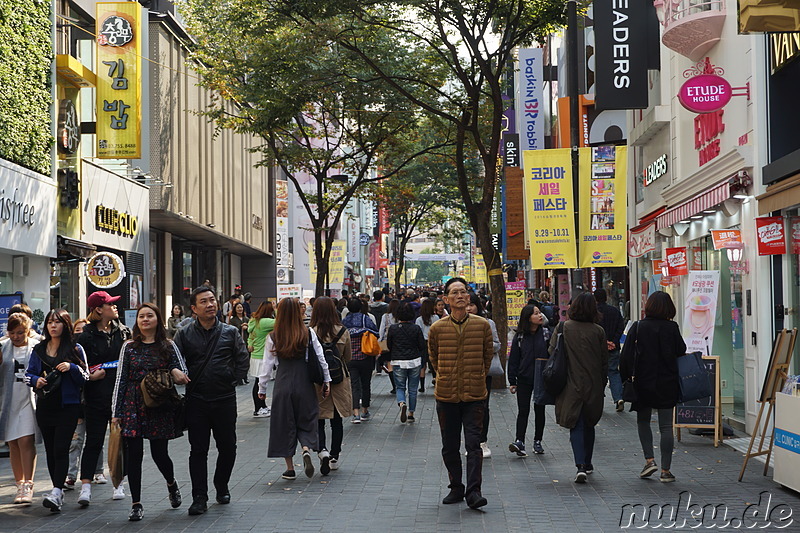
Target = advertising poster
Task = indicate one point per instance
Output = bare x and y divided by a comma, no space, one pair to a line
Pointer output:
603,207
700,310
677,262
119,80
480,269
548,201
7,301
771,237
282,222
726,238
515,301
335,264
642,241
290,291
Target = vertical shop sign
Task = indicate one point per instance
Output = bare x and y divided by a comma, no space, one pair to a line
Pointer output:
700,310
771,237
282,222
548,200
353,239
530,98
564,296
677,262
603,207
794,227
119,80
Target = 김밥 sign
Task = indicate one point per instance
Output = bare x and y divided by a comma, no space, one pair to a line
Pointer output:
771,236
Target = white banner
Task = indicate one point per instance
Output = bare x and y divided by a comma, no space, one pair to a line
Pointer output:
290,291
642,241
434,257
282,241
530,99
700,310
353,231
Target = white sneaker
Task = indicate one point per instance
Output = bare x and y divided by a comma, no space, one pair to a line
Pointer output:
324,462
119,492
334,463
264,412
100,479
487,452
54,501
86,495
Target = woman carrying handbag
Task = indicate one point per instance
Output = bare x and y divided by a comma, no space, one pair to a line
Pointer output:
649,365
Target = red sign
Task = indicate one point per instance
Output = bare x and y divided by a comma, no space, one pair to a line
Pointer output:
677,262
794,228
697,258
642,240
726,238
707,129
771,236
705,93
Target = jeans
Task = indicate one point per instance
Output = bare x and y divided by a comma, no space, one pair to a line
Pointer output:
524,394
410,377
203,418
57,434
614,379
96,421
646,434
582,439
485,428
452,418
337,434
133,463
75,449
361,381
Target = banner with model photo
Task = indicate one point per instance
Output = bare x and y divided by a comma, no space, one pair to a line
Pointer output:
700,310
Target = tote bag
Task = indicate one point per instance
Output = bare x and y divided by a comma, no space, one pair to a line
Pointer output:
694,379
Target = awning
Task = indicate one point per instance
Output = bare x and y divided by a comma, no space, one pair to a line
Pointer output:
780,195
647,219
706,200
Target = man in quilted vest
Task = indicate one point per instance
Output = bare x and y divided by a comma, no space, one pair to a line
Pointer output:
461,350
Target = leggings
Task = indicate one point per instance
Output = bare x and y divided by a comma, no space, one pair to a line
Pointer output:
646,434
134,456
524,394
258,403
57,430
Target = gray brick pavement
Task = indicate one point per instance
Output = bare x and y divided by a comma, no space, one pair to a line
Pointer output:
392,479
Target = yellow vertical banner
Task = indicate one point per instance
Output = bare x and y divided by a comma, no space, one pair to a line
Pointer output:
335,264
603,207
119,80
392,272
548,202
480,269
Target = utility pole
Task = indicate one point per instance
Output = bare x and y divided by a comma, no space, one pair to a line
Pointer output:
572,93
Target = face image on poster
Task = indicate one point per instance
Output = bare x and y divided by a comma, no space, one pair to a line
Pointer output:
135,291
602,190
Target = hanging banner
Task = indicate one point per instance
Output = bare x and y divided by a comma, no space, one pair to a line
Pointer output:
696,262
642,241
794,229
726,238
700,310
771,237
548,201
282,222
603,207
353,240
335,264
480,270
677,262
530,98
119,80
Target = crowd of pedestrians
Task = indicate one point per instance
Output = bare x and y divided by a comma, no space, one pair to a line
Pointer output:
312,368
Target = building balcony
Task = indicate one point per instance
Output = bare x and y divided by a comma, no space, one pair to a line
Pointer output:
692,27
769,15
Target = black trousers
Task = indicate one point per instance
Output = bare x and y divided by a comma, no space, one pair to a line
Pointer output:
524,394
204,418
97,419
485,428
258,403
337,434
133,466
57,428
361,381
453,417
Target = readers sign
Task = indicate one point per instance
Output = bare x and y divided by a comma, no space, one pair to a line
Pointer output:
771,236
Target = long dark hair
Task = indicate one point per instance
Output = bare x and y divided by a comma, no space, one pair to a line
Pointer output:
394,305
161,332
427,311
66,348
290,335
325,318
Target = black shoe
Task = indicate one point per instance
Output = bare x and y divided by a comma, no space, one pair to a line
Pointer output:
454,496
422,389
137,512
393,391
589,468
174,495
475,500
411,419
198,507
224,496
581,476
290,475
537,447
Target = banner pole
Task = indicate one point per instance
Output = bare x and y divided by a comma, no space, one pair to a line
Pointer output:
572,93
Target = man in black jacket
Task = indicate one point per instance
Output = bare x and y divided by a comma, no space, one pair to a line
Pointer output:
614,325
217,359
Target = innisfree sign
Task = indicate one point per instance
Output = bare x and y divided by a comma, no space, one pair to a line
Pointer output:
706,91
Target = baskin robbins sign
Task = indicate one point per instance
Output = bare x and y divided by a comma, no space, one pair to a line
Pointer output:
706,91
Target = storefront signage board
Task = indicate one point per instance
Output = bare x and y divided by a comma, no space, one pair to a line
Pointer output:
700,310
105,270
677,262
771,236
726,238
705,93
27,207
290,291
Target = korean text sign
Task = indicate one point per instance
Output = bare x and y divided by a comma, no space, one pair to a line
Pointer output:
771,236
335,263
677,262
700,310
119,80
551,213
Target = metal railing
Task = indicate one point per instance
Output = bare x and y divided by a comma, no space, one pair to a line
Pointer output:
675,10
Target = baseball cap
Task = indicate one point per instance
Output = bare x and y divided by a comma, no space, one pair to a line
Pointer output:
97,299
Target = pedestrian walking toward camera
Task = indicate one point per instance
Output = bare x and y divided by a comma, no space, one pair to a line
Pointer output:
650,360
579,406
295,406
259,327
406,348
217,360
57,371
150,352
461,350
525,364
335,341
613,325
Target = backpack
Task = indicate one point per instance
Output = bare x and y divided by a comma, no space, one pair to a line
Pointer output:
336,368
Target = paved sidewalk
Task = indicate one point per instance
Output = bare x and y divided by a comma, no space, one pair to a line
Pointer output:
392,479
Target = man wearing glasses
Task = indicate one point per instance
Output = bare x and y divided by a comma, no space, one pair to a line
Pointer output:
461,350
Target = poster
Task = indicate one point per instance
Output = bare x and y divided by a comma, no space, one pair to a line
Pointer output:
282,223
480,270
677,262
335,264
548,202
642,241
726,238
135,291
794,234
119,80
771,236
290,291
700,310
7,301
603,207
515,301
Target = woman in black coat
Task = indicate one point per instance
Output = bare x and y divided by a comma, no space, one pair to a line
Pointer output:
650,358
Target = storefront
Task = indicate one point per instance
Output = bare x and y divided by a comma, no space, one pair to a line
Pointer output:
27,239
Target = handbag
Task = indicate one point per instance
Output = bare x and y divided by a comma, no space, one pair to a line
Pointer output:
158,388
315,372
116,455
369,342
496,369
556,368
694,379
181,422
629,393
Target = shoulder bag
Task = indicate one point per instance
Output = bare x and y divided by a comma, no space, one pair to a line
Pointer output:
629,393
369,342
315,372
180,411
556,368
694,379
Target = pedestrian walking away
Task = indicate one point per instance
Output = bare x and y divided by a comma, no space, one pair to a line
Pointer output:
295,406
388,318
149,352
461,349
217,359
650,360
406,348
260,325
427,316
361,365
613,325
579,406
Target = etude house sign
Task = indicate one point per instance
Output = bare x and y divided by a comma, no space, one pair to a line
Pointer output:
705,93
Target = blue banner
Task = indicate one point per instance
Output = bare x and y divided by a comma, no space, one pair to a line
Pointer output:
7,301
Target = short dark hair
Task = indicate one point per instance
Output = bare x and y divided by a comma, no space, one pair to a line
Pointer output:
660,305
454,280
354,305
584,308
600,295
377,295
199,290
406,313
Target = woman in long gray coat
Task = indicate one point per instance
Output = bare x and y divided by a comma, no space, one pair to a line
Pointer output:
580,405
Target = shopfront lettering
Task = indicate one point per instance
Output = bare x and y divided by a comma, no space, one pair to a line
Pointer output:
112,221
16,212
621,47
784,47
655,170
707,129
